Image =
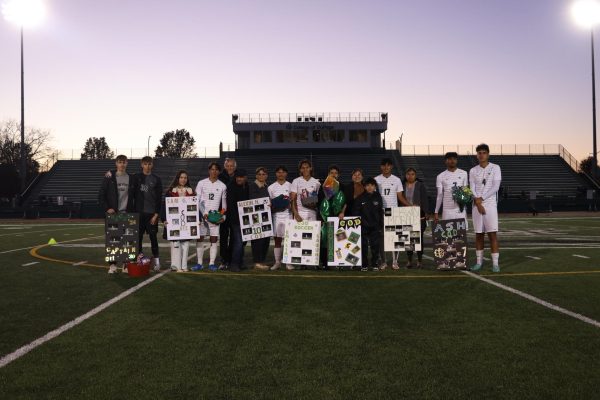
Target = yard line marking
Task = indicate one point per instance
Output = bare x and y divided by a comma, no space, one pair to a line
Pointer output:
22,248
537,300
30,263
425,256
580,256
79,263
34,253
20,352
48,230
533,258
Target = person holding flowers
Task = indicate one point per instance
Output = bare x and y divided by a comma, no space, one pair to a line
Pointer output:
453,192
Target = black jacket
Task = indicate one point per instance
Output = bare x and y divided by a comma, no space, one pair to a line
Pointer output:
108,197
225,178
255,192
138,180
369,207
420,196
235,193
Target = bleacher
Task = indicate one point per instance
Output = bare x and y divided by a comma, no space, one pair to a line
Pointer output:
550,176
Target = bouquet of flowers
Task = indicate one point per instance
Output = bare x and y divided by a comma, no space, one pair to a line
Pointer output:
462,195
330,187
215,216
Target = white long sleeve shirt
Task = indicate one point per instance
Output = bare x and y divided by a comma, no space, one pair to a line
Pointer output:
485,182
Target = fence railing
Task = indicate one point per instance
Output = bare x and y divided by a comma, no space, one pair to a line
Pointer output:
467,149
310,117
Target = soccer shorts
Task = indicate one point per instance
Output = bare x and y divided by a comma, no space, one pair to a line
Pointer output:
208,229
487,222
455,214
279,224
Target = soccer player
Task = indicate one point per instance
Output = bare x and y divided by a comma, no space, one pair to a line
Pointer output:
148,192
180,187
212,196
391,190
485,181
116,195
445,181
304,193
280,190
226,176
369,206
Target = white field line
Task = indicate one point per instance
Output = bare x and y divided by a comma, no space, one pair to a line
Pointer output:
20,352
537,300
580,256
533,258
79,263
425,256
50,230
30,263
25,226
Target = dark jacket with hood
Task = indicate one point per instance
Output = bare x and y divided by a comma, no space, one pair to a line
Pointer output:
108,197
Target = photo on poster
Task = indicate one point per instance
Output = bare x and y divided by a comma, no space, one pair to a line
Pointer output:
296,244
352,259
340,235
265,217
192,207
246,221
248,210
296,260
259,207
173,210
191,218
247,231
354,237
307,236
175,221
193,230
255,219
266,228
306,252
175,233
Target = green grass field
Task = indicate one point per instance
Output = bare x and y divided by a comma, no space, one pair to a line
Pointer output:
303,334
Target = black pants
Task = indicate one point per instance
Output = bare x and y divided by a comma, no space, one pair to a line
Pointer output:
409,254
152,230
260,247
224,244
371,238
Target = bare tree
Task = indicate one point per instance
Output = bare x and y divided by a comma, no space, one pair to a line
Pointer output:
37,145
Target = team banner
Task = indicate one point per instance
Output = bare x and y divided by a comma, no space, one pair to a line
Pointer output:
343,242
183,218
301,242
402,229
121,234
450,244
255,218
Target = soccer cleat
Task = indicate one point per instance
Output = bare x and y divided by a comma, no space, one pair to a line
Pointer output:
276,266
261,266
383,266
112,269
174,268
376,269
364,269
289,267
183,269
476,267
213,267
222,267
198,267
495,268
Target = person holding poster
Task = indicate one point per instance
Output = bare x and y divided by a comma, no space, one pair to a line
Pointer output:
391,191
279,193
260,247
351,193
226,176
369,207
236,191
445,183
116,195
212,199
416,195
304,193
485,181
180,187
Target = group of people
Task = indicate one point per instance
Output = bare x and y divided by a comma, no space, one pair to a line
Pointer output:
365,197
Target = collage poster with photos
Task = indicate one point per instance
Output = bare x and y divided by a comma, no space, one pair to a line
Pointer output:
450,244
301,242
255,218
402,229
344,242
183,218
121,233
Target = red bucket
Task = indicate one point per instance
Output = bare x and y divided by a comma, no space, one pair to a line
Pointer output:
136,271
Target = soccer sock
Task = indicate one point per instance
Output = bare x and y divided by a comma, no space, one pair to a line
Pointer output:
479,254
200,251
278,252
185,246
495,257
213,253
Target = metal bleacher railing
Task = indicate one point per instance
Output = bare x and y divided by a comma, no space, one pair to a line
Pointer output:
310,117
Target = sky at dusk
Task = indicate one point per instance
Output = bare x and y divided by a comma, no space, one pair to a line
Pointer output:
446,71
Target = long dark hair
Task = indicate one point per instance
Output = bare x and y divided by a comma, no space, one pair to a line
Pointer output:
410,169
175,182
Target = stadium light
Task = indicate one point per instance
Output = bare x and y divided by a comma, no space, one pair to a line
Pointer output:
25,13
586,13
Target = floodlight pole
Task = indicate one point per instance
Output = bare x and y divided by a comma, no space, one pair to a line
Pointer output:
23,152
594,151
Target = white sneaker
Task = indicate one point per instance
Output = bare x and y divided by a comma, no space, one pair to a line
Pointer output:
125,269
222,267
261,266
183,269
112,269
395,266
290,267
156,265
276,266
383,266
174,268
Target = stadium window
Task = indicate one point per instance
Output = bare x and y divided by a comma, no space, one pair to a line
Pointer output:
262,137
301,135
284,136
358,135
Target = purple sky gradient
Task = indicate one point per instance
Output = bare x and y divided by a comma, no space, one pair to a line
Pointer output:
447,71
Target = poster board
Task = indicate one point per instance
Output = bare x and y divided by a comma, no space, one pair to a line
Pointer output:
402,229
301,242
121,237
450,244
183,218
255,218
344,247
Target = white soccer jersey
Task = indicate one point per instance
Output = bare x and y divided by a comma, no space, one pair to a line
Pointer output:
276,190
444,184
303,189
389,188
212,196
485,182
